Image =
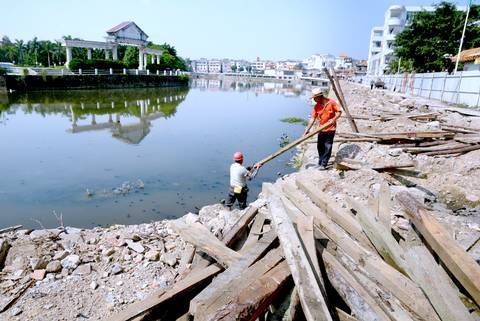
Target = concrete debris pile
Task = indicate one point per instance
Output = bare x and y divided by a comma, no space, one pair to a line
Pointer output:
306,255
64,274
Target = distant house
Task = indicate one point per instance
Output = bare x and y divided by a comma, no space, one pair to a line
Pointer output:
127,32
470,58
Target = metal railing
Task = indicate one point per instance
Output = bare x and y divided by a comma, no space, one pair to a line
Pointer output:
64,72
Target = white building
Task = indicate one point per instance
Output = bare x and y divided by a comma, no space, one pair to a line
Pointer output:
343,62
382,38
320,61
259,65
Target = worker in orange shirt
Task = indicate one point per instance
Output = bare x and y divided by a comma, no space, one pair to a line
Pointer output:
324,110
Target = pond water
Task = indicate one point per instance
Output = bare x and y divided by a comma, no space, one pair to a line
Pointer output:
102,157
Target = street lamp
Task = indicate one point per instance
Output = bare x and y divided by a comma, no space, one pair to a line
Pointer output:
463,36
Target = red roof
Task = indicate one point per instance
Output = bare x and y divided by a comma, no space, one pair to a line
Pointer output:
120,26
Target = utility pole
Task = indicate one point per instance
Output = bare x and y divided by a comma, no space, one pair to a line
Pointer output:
463,36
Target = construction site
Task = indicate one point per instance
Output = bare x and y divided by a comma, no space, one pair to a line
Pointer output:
390,231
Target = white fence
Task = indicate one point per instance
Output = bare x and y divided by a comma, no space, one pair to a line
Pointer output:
461,88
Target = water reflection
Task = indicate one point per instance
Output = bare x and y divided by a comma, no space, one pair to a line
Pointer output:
257,87
57,145
127,114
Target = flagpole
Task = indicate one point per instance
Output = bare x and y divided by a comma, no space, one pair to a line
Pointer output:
463,36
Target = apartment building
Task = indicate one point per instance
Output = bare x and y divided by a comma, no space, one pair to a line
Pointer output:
382,38
320,61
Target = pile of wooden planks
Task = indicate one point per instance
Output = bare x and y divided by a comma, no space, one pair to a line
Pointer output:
302,256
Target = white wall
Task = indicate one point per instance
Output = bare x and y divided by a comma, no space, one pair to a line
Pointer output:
462,88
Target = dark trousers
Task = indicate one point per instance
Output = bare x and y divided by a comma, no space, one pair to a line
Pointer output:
324,147
240,197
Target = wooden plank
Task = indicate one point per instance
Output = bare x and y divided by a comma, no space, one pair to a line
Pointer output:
436,284
240,227
363,306
407,292
383,206
10,228
457,260
421,269
250,255
229,291
198,235
338,92
305,231
179,288
311,296
464,149
344,219
255,231
250,302
380,236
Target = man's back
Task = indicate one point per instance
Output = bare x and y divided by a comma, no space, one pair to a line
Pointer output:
238,175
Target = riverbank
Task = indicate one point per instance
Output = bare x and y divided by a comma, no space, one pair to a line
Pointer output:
98,272
49,82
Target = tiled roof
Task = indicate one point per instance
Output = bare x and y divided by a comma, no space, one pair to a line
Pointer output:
119,26
468,55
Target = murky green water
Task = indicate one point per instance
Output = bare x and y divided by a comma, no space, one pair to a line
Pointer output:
70,152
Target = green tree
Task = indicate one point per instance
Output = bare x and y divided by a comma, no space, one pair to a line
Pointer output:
234,68
424,43
130,59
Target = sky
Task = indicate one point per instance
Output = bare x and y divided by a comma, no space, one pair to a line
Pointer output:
242,29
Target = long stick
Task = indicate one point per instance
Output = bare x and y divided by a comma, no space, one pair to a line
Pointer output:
341,98
294,143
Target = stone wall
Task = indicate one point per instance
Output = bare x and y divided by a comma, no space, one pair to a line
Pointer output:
31,82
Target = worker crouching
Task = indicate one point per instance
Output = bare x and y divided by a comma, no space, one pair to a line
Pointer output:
238,182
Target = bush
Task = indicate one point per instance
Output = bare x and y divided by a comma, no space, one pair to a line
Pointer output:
76,64
3,71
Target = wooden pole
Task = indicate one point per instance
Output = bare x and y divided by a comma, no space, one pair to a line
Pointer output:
338,92
294,143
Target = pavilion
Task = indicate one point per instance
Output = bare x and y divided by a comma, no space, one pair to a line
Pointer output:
125,33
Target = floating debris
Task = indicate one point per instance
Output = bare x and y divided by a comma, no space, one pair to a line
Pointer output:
284,140
124,189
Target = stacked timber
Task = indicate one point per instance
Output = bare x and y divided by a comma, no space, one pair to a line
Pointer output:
302,256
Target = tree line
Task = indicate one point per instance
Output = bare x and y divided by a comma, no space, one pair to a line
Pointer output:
46,53
432,38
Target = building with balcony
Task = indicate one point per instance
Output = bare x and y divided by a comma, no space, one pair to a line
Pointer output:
382,38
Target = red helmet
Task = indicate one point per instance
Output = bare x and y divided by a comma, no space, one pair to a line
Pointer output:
238,156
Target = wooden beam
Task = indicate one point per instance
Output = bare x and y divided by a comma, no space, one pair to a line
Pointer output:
240,227
215,289
251,301
191,281
457,260
436,284
343,218
11,228
384,275
380,236
312,299
363,306
338,92
228,292
198,235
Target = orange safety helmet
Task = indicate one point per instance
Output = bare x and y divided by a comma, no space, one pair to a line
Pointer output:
238,156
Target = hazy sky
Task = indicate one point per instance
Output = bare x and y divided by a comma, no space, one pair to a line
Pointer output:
269,29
